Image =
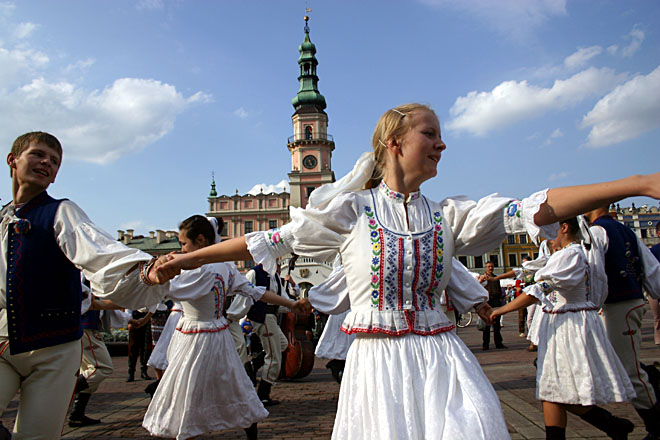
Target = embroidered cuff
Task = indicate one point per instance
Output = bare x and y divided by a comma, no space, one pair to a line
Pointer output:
266,247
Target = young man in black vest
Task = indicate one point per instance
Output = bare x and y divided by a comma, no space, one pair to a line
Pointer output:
264,323
45,244
627,263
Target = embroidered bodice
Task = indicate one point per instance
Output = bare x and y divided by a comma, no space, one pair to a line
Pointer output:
203,292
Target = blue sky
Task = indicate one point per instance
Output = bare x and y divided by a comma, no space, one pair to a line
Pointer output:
150,97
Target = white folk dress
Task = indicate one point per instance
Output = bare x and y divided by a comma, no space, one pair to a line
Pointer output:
407,375
158,358
205,387
576,363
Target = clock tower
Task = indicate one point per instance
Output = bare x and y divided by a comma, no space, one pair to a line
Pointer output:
310,146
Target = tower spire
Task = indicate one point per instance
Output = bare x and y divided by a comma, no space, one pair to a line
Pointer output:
213,192
308,99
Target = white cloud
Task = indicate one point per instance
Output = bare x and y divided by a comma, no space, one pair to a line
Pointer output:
557,176
17,64
98,126
555,134
24,30
150,4
132,224
94,125
241,113
510,102
6,9
636,37
627,112
80,65
580,58
278,188
612,50
511,18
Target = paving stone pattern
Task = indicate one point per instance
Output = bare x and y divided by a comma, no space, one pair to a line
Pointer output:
308,405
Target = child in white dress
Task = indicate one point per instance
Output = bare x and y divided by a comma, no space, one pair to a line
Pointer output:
577,366
407,375
205,387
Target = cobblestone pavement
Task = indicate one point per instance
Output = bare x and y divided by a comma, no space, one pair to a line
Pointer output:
308,405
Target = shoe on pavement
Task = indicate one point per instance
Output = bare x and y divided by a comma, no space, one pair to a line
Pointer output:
522,335
501,346
485,347
75,422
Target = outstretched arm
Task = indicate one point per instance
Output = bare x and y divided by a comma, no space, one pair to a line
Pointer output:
169,266
518,303
570,201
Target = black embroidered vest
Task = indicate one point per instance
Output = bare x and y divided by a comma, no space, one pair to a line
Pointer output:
623,265
43,293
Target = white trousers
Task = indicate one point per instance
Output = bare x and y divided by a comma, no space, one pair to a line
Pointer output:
623,321
46,378
96,363
239,340
274,343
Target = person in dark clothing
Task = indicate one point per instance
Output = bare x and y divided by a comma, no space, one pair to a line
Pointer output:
495,299
139,343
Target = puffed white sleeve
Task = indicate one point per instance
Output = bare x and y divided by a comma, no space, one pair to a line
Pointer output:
463,289
312,232
565,270
242,286
109,265
480,226
331,296
192,284
651,269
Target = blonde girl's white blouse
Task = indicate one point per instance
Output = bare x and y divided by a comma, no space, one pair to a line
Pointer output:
397,265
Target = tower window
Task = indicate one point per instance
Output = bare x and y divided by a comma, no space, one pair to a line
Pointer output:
308,132
309,190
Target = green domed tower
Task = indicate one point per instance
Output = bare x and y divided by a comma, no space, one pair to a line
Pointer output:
311,146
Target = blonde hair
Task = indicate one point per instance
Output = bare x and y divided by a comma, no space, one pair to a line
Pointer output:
393,124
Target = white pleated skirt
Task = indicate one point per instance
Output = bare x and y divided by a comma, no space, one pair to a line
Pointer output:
334,343
204,389
576,363
158,358
416,387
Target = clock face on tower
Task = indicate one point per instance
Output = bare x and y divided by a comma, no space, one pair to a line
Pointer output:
310,162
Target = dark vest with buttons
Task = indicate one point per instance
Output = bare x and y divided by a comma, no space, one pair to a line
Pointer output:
258,311
623,264
44,293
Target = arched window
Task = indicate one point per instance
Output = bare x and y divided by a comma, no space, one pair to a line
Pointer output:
308,132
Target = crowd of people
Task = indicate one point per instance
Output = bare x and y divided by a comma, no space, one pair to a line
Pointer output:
404,373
